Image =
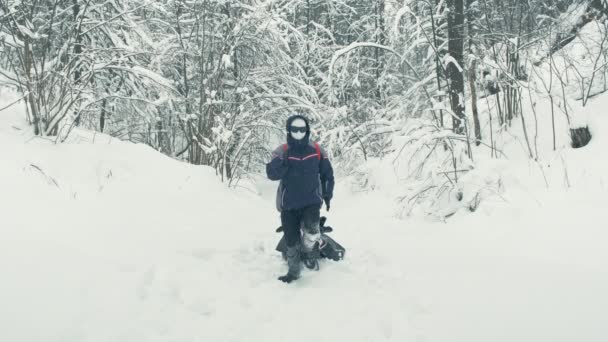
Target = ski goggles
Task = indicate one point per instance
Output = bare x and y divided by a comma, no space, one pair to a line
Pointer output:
297,129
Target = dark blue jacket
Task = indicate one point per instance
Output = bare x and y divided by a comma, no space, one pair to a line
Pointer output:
305,173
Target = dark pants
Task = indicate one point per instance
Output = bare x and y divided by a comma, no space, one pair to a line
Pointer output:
307,219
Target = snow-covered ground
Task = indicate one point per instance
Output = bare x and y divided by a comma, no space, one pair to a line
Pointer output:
104,240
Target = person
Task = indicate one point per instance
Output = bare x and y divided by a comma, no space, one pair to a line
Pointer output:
306,181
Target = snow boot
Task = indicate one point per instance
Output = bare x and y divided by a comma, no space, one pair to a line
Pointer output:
311,259
293,264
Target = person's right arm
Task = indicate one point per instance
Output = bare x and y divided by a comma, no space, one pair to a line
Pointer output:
278,165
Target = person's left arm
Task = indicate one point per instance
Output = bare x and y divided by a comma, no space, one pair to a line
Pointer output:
327,178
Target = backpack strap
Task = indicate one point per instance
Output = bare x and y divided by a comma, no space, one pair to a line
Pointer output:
285,146
318,151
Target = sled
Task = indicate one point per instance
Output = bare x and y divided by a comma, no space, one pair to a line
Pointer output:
329,248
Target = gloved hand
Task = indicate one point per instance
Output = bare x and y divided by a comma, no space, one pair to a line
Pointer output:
327,200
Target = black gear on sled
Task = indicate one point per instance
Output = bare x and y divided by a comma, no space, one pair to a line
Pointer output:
328,248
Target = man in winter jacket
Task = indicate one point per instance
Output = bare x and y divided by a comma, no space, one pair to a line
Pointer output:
307,180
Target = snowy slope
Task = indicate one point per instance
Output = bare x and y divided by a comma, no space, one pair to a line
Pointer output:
104,240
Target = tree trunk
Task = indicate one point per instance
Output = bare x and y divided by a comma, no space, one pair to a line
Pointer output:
438,69
102,116
472,73
380,39
472,78
455,75
28,61
77,52
580,136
